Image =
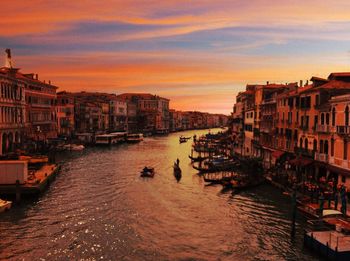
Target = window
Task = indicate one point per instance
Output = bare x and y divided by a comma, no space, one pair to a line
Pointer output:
325,151
333,116
317,100
306,144
315,121
321,146
315,145
297,119
347,116
300,143
332,147
327,118
343,179
322,118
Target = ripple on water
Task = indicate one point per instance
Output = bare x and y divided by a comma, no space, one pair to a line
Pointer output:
99,207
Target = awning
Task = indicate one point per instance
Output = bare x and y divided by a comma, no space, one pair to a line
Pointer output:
277,154
338,170
301,162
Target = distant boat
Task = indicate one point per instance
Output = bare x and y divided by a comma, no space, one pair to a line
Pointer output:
5,205
184,139
147,172
134,138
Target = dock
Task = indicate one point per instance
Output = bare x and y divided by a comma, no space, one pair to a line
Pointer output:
37,182
332,245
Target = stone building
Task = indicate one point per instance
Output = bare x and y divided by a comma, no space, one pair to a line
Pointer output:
12,111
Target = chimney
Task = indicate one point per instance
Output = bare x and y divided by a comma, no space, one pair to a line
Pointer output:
301,83
8,60
36,77
296,87
267,83
49,82
307,82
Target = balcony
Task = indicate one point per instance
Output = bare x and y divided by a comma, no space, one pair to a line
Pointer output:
339,162
324,128
269,101
266,129
321,157
304,152
304,127
343,130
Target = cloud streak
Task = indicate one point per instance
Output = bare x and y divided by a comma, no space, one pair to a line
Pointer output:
198,53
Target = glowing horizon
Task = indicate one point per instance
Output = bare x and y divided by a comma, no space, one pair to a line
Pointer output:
198,54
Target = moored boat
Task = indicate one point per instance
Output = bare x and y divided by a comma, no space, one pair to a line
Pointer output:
5,205
197,159
134,138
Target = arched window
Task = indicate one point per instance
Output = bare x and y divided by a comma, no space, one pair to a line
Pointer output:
327,118
300,143
306,144
325,151
347,116
333,116
321,146
322,118
315,145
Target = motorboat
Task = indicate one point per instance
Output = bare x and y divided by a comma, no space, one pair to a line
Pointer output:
5,205
147,172
134,138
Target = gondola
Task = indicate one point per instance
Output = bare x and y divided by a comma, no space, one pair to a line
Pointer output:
177,171
197,159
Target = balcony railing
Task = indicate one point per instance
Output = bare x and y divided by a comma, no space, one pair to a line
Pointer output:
304,127
304,152
266,129
343,130
267,101
324,128
321,157
339,162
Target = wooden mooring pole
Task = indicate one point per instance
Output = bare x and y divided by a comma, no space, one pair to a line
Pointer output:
294,212
18,192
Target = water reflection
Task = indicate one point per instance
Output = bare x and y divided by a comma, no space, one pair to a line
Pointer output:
100,208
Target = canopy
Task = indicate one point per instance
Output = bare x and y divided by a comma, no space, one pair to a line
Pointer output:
302,162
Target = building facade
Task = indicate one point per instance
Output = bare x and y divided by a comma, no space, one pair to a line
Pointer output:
12,111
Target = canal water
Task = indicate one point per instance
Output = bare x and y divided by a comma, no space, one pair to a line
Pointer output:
98,208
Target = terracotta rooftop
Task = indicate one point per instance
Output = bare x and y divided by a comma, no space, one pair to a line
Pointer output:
127,96
335,75
26,77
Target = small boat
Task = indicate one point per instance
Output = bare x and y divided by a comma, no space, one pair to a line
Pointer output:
197,159
134,138
147,172
177,171
5,205
75,147
183,139
240,185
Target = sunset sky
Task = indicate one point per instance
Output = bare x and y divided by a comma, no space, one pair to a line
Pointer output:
199,54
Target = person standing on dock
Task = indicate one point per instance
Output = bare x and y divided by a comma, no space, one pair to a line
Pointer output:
336,195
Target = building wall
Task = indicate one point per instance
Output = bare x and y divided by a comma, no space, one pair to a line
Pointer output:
12,113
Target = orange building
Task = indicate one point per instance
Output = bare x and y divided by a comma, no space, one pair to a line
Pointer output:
65,114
